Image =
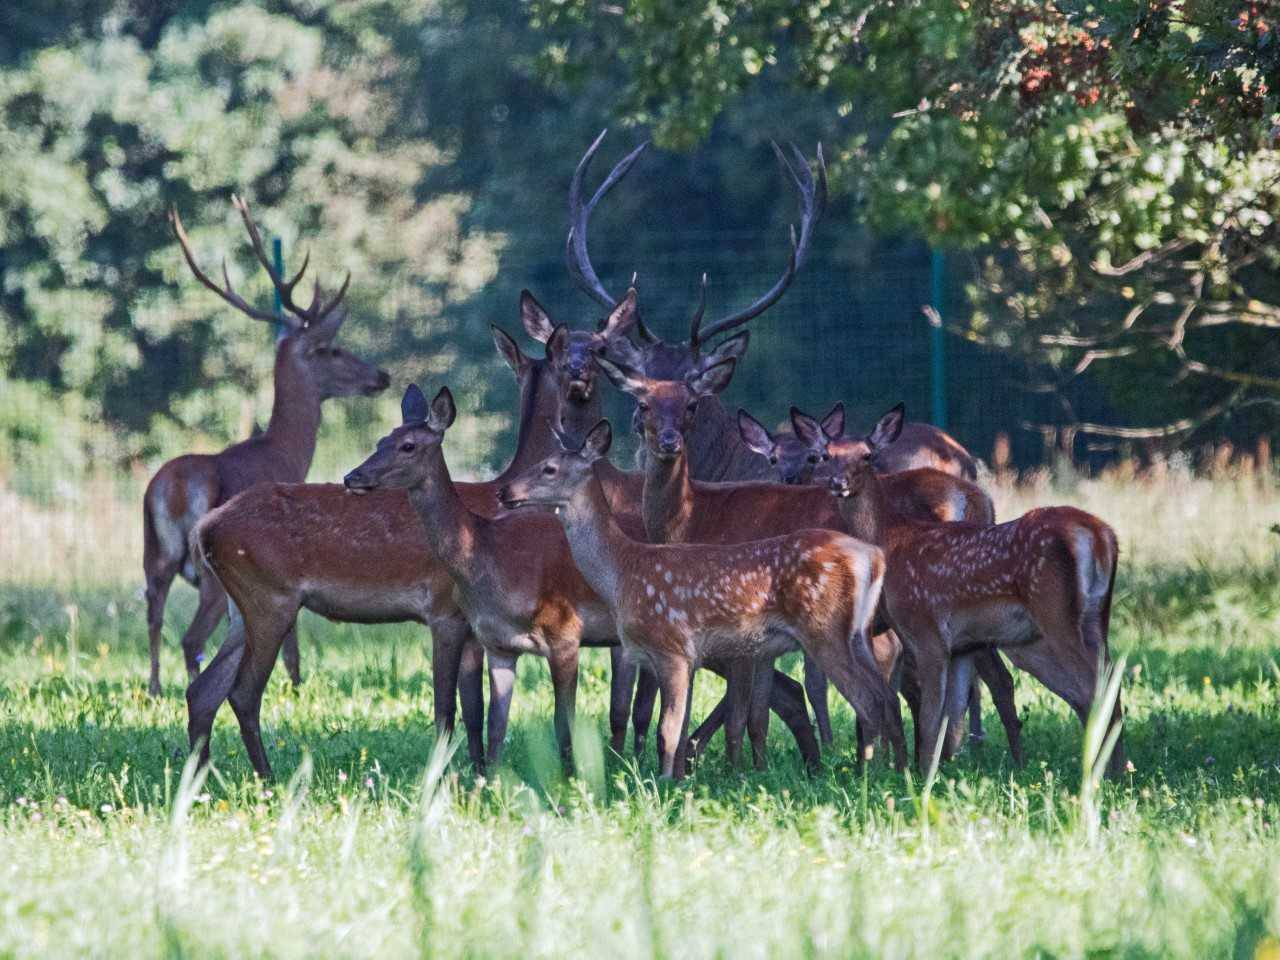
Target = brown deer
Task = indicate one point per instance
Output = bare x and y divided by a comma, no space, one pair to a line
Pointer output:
514,577
280,547
923,494
309,369
919,446
1038,588
676,605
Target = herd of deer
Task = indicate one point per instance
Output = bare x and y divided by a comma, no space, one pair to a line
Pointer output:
878,556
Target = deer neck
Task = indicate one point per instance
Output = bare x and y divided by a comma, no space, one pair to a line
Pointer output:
716,451
868,516
539,408
667,503
600,549
452,530
295,415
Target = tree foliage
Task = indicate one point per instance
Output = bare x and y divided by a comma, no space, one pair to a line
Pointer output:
111,112
1111,168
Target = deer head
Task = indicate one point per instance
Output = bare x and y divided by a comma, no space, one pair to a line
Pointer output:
403,458
306,346
571,353
557,479
666,408
795,455
853,464
676,360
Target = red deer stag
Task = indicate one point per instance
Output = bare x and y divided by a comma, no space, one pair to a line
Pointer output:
808,450
675,605
1038,588
309,369
715,451
280,547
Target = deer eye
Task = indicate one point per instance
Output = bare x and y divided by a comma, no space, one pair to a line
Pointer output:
773,458
825,456
813,458
693,406
548,471
408,446
642,406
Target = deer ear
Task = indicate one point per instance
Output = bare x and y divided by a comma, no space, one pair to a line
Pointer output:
413,406
558,342
326,328
712,379
807,429
731,349
536,322
833,422
443,411
509,349
623,317
754,434
622,352
621,376
888,429
598,441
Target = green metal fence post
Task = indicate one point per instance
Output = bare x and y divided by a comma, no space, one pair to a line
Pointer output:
937,341
277,251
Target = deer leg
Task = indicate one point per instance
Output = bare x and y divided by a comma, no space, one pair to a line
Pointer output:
642,708
976,734
292,660
158,584
622,683
738,683
853,670
931,675
564,680
251,681
815,686
675,680
960,678
447,640
991,669
502,681
208,691
786,699
471,692
758,717
213,604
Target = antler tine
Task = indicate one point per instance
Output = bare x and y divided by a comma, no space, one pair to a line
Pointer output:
813,201
329,307
227,292
283,287
697,316
577,258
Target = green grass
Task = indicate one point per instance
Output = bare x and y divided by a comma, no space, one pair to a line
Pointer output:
104,851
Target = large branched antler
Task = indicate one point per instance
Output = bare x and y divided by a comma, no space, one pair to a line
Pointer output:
303,317
813,201
575,252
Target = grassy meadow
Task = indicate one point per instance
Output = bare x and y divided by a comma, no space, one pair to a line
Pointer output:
374,844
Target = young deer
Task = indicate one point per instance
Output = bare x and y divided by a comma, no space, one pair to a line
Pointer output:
1038,588
309,369
923,494
676,605
920,446
279,547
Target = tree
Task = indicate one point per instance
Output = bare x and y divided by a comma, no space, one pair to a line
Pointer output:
1111,169
111,112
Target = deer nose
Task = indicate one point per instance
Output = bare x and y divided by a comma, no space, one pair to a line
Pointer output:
384,379
356,481
839,485
670,441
